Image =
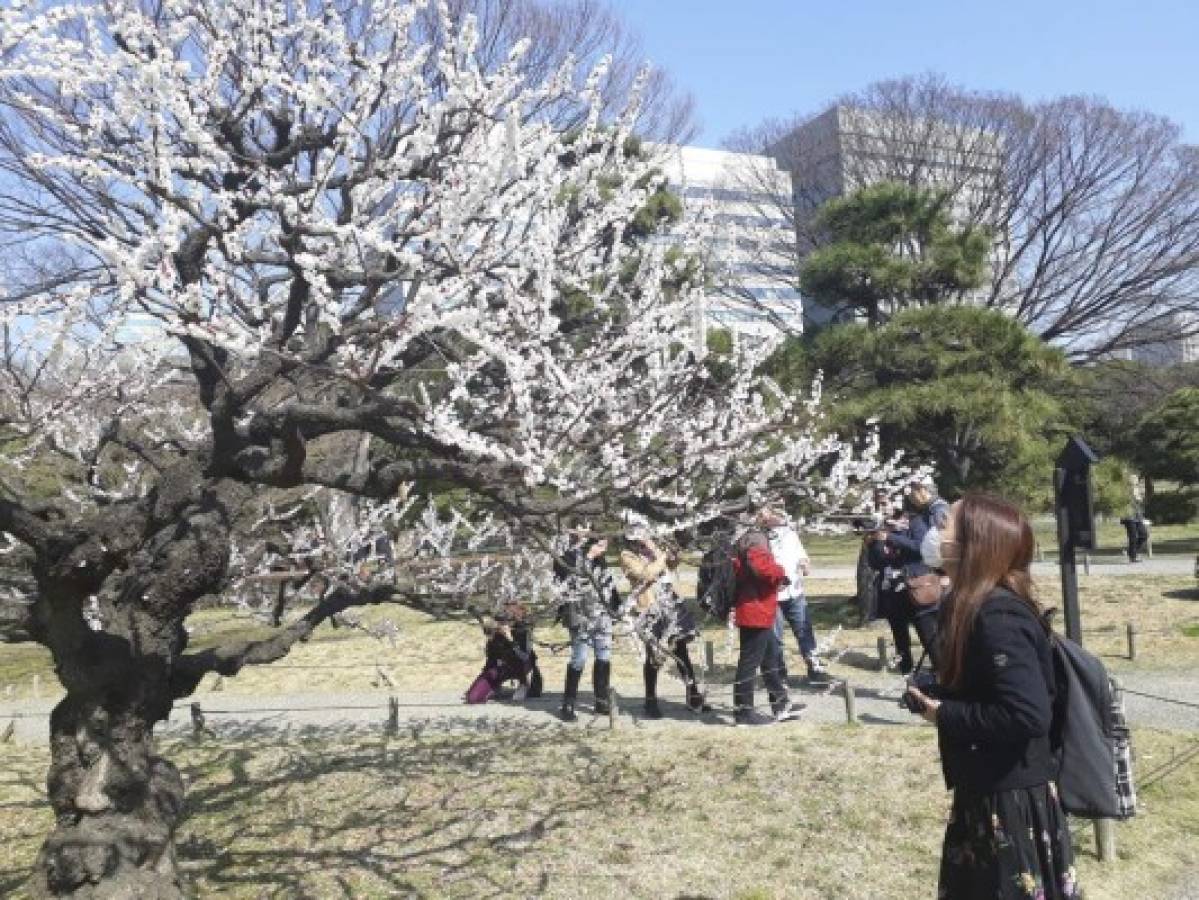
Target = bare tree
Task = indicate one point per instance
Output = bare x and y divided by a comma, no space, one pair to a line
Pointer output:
1095,211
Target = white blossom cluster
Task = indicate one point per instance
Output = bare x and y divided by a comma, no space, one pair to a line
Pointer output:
316,192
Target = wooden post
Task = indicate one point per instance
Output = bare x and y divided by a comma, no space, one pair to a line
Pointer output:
1066,560
1086,563
709,657
37,686
1040,552
882,654
393,716
197,721
851,709
1105,839
1149,540
613,709
1132,641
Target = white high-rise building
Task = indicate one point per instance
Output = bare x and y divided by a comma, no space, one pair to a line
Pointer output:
1172,340
750,242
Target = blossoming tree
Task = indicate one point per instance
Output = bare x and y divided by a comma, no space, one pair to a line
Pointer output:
264,257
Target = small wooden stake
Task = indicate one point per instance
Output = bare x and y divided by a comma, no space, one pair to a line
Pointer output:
1132,641
198,728
709,656
1105,840
882,654
613,710
37,686
393,716
851,708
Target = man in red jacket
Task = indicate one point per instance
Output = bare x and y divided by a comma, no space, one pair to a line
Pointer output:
758,580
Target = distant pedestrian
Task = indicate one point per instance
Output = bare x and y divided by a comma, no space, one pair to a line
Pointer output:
1136,531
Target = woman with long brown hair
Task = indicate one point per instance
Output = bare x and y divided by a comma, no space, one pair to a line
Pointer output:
1007,835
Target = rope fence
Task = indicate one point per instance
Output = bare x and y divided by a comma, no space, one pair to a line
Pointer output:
844,686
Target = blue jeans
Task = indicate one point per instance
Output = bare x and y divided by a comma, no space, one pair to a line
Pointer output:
795,613
596,636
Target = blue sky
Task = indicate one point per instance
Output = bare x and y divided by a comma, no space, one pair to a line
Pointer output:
747,60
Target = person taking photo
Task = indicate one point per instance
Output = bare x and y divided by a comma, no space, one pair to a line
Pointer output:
1007,835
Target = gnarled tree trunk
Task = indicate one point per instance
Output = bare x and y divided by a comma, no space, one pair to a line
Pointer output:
116,803
114,623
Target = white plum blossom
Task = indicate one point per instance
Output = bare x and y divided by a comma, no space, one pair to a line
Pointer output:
310,295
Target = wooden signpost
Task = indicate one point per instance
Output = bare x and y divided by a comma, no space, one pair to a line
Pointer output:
1074,503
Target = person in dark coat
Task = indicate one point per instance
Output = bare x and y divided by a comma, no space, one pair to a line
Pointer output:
902,547
1137,533
508,656
1007,835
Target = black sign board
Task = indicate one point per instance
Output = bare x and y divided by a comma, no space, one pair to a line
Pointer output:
1075,493
1075,502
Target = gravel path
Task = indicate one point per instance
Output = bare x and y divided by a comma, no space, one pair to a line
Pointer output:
875,705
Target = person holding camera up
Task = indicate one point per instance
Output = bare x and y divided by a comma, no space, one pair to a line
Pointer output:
587,601
900,548
663,622
788,551
992,706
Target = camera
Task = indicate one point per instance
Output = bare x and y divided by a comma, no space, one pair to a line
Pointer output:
922,681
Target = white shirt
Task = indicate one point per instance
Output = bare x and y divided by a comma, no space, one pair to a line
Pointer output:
788,551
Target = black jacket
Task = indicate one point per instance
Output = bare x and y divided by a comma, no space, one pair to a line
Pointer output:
587,591
908,542
993,729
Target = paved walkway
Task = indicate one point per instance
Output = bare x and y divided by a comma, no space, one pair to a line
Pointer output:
1107,566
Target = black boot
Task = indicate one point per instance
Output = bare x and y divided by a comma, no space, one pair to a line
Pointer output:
696,701
695,698
568,695
650,673
601,676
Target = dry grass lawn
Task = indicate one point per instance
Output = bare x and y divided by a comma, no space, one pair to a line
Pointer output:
787,812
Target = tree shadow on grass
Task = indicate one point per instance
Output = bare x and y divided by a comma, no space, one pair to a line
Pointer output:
445,814
857,659
31,813
1185,594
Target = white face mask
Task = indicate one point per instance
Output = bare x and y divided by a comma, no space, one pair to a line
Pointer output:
930,549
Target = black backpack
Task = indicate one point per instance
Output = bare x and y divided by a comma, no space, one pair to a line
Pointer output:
1089,736
716,586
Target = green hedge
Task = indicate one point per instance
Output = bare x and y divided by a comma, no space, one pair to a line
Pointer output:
1173,507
